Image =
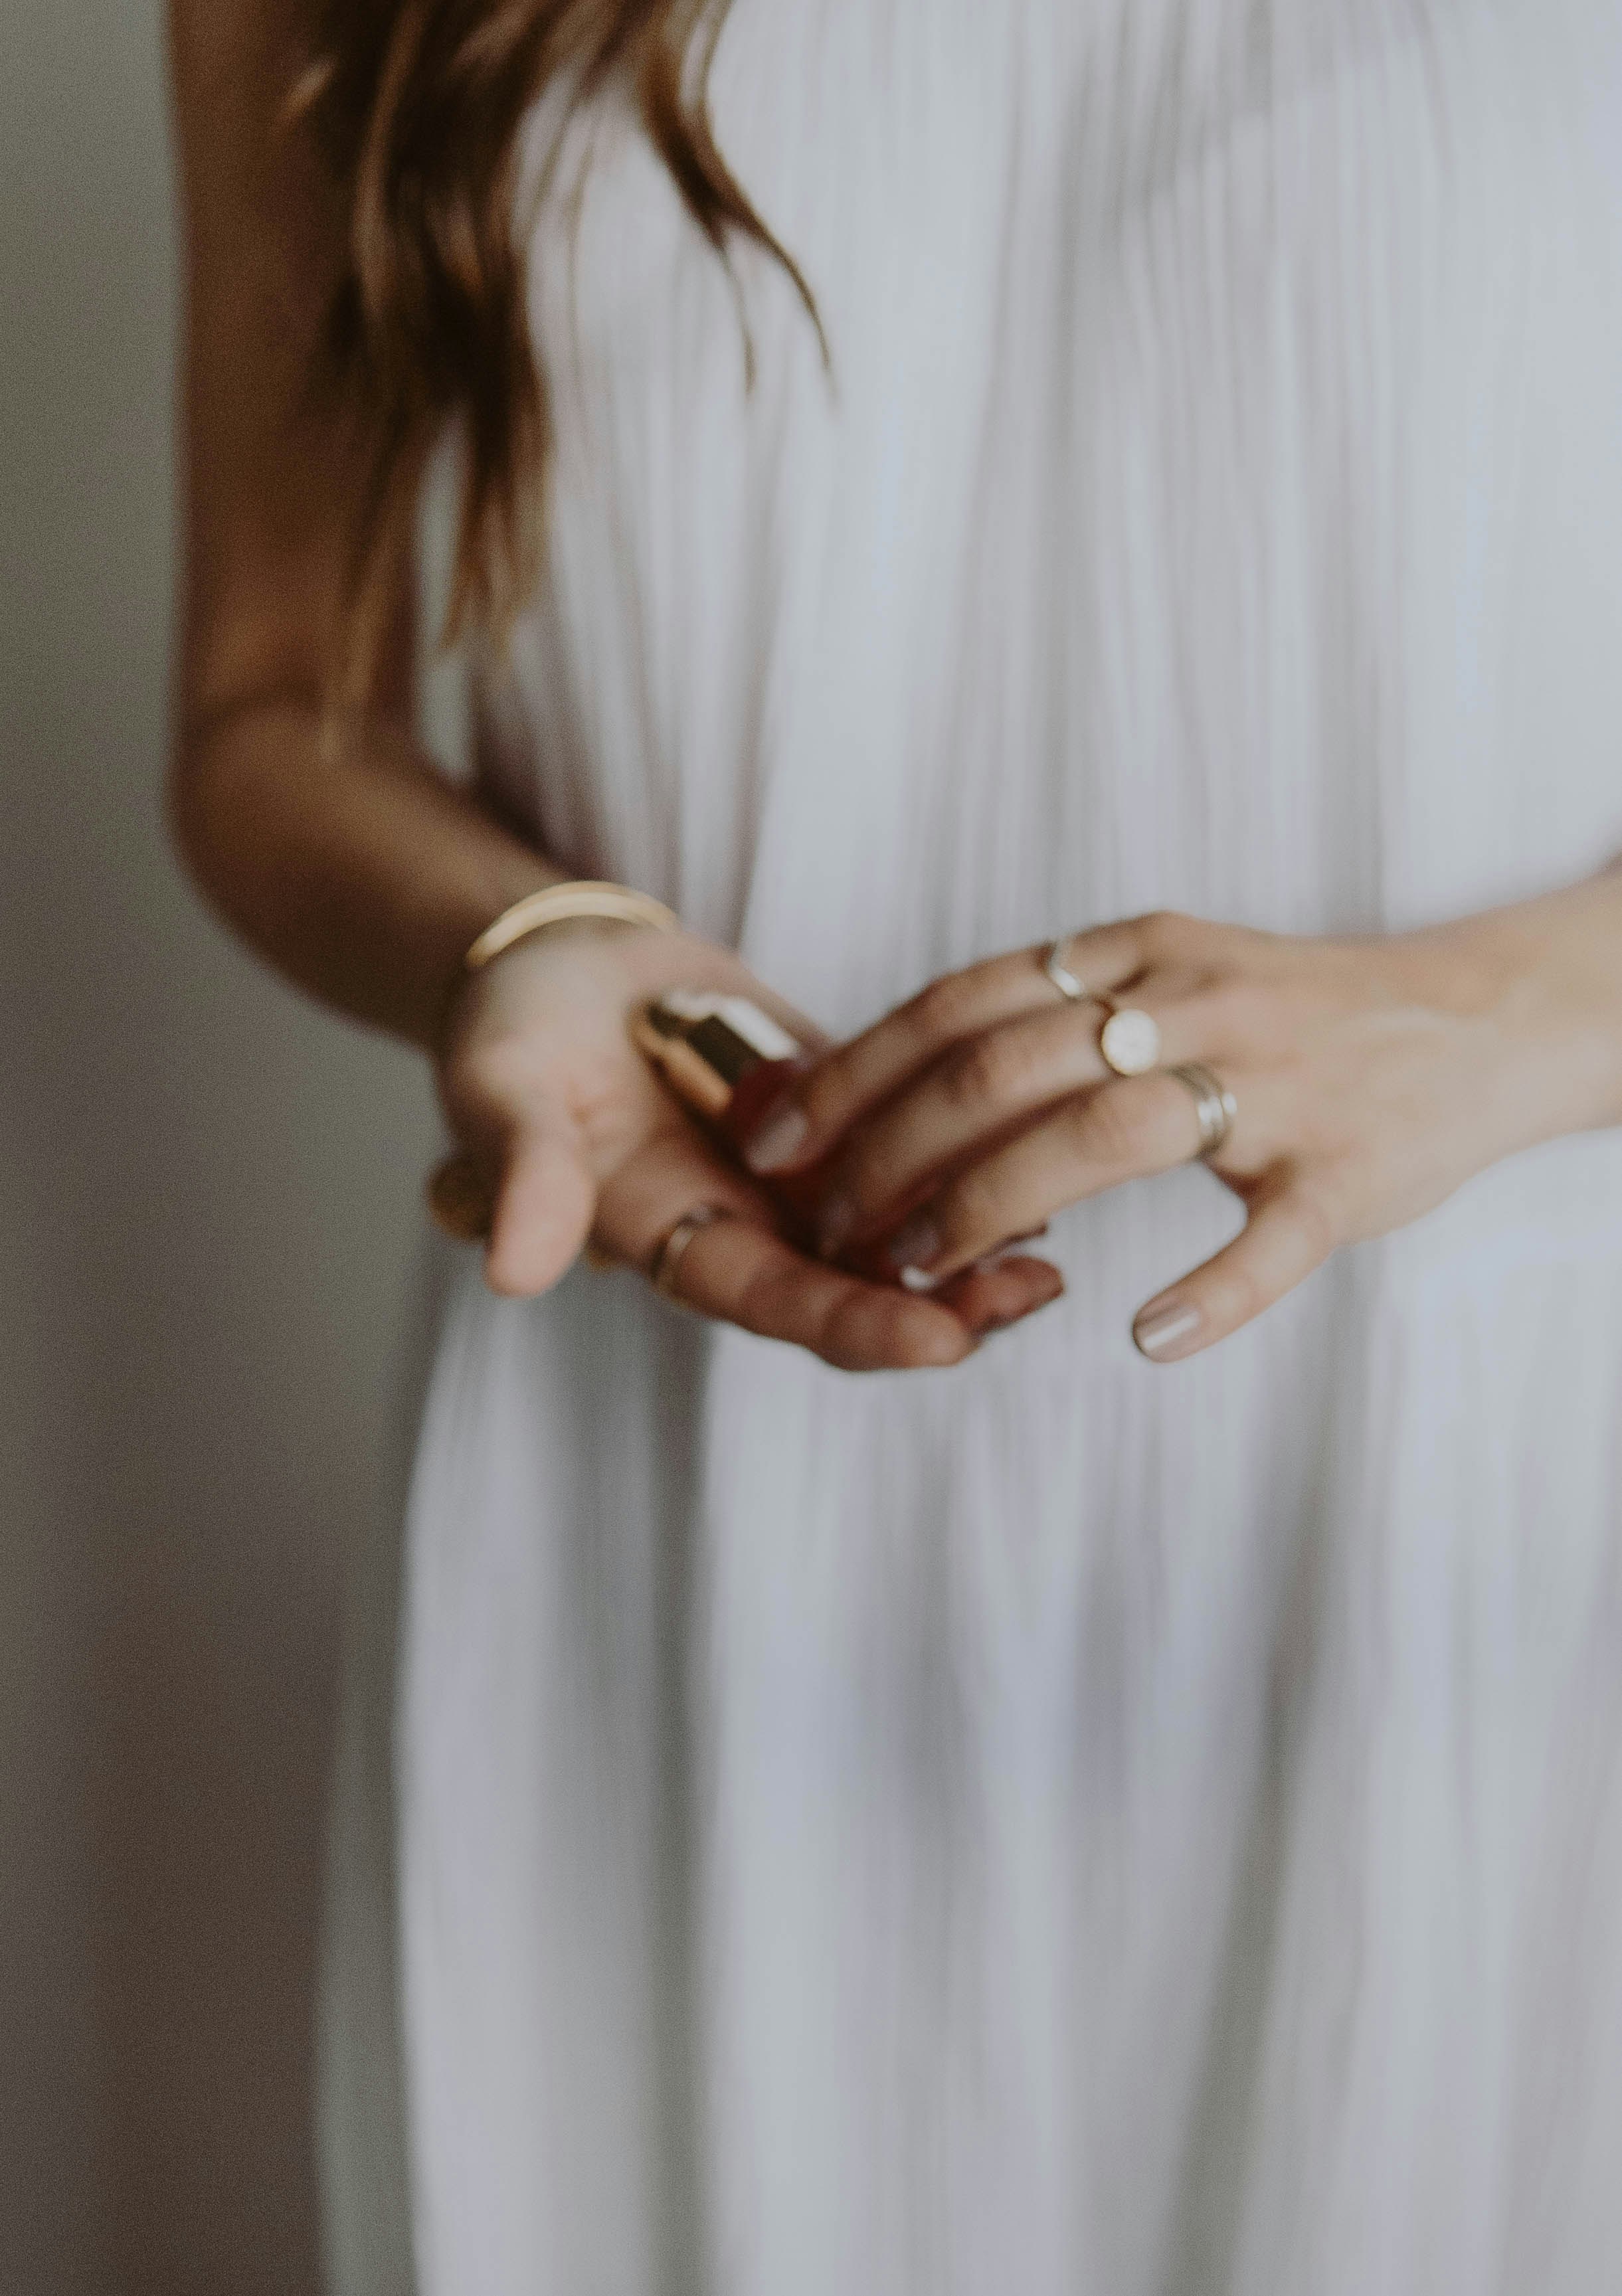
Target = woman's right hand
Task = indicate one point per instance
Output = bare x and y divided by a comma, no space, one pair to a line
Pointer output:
577,1141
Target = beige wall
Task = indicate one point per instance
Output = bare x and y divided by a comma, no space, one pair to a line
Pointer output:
207,1203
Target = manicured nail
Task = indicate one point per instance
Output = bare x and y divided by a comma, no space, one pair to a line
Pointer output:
1014,1243
835,1223
1162,1335
913,1252
778,1139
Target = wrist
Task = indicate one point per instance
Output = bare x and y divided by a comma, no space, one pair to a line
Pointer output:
566,961
567,908
1545,977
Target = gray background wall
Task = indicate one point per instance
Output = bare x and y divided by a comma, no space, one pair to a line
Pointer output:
208,1200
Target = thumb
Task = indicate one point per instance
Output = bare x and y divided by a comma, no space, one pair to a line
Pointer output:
545,1202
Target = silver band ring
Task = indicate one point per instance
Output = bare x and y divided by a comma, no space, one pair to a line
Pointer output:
1215,1104
665,1266
1059,972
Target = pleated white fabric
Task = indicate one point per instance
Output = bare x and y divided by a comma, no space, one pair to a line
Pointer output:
1058,1825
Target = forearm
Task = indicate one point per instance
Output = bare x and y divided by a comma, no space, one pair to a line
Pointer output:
361,877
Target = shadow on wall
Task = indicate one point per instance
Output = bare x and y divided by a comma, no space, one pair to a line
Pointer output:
207,1199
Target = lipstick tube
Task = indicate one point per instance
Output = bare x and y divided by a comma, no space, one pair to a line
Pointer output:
729,1063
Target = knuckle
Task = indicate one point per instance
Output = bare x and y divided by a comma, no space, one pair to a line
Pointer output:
1163,932
1233,1014
984,1072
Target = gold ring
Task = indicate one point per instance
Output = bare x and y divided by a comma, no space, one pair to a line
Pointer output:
1130,1041
665,1266
1214,1103
1059,972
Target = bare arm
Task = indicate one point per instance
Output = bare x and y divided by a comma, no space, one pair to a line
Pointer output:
358,873
362,876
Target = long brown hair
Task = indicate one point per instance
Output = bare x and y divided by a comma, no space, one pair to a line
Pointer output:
417,105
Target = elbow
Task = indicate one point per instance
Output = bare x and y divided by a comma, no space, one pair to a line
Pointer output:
221,752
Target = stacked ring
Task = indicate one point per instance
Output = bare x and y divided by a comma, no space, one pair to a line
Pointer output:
1129,1040
1214,1105
1130,1044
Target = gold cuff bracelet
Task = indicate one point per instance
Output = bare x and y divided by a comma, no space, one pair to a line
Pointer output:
555,904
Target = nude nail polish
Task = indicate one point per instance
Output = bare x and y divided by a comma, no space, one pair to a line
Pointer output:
1165,1334
778,1138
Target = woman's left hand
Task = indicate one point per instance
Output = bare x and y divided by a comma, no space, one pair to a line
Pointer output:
1370,1079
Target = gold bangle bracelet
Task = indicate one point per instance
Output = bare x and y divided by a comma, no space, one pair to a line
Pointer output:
555,904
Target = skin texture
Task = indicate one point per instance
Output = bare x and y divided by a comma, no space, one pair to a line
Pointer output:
351,867
1371,1080
1371,1077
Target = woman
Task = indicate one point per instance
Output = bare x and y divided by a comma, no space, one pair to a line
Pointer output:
1035,1816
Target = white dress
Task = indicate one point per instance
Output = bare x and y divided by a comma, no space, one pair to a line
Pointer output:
1060,1824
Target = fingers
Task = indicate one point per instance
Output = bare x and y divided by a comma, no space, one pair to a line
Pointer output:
544,1203
657,1186
983,1087
1289,1233
746,1275
740,1271
1125,1130
871,1067
1001,1292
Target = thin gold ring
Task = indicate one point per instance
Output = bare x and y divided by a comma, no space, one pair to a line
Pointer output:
666,1264
1215,1106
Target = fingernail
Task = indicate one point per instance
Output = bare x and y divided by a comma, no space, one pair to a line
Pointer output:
778,1138
913,1253
1161,1335
1014,1243
834,1223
